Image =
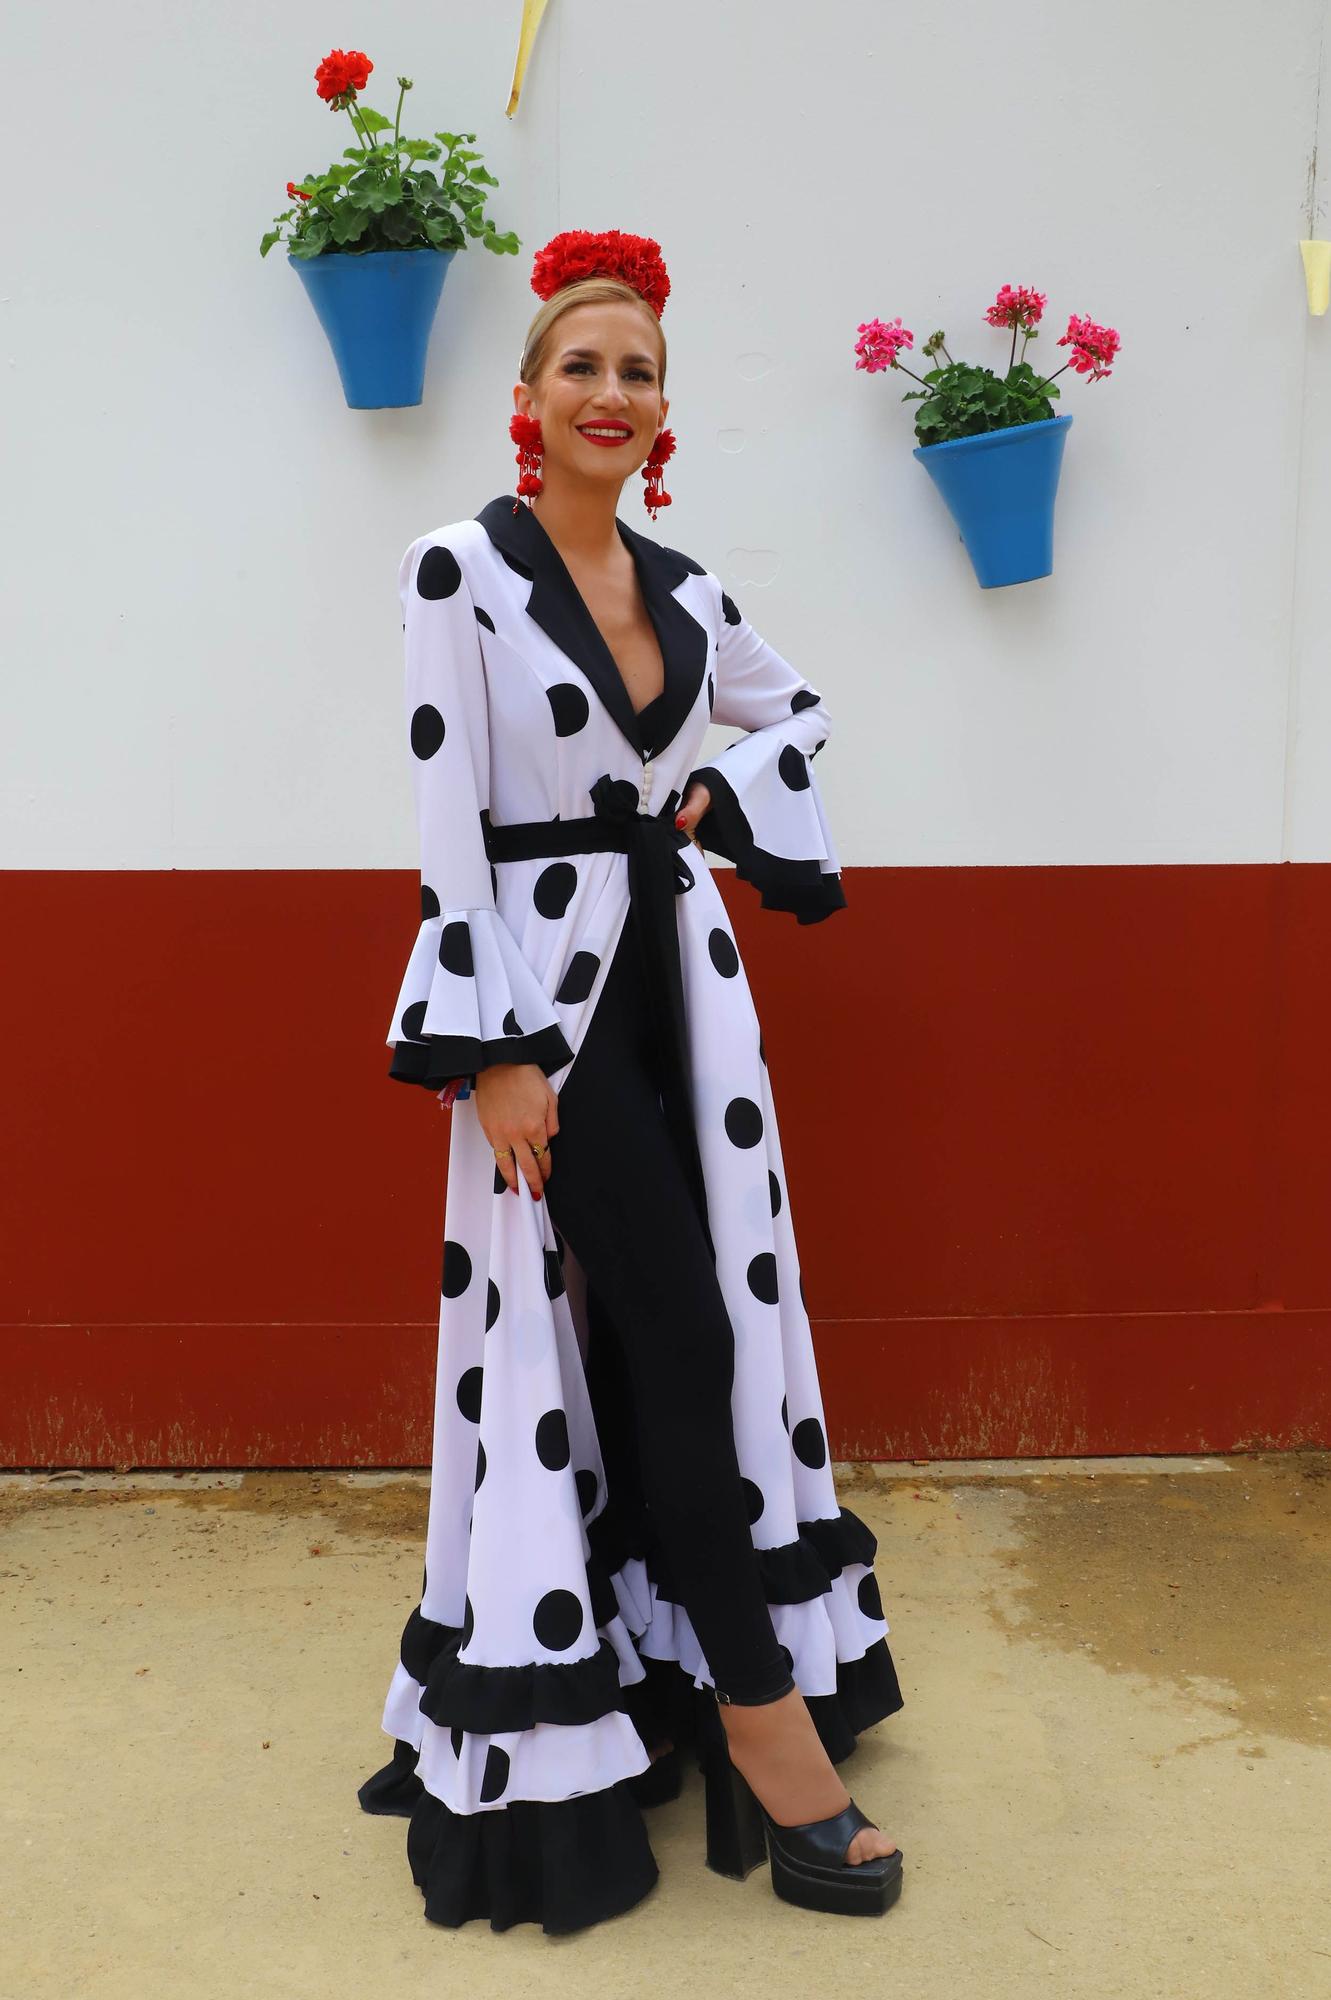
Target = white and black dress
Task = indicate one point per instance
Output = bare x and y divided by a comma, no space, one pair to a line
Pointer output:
546,1650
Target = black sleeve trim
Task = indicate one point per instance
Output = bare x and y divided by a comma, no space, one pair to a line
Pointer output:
800,886
439,1058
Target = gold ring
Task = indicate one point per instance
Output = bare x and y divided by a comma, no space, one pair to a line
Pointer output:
500,1151
538,1150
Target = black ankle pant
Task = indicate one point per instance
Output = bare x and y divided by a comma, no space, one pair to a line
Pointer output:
661,1354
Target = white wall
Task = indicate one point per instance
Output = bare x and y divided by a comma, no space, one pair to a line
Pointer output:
201,540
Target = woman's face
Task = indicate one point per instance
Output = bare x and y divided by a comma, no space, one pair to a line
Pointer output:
600,369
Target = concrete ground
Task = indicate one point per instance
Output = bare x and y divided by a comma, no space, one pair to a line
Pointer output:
1112,1775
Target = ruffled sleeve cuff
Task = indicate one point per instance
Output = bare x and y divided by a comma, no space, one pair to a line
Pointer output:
470,999
767,816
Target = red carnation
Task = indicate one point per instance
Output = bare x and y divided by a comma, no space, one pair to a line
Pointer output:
342,71
606,253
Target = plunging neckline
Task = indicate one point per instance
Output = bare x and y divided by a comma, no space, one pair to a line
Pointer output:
557,606
661,692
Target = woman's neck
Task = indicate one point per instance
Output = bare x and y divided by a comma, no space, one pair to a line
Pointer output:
580,520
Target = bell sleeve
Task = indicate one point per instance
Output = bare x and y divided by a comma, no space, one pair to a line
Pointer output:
468,998
766,813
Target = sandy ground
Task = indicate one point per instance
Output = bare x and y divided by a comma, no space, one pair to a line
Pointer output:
1112,1775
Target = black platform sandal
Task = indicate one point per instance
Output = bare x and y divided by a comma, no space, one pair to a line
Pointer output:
660,1782
808,1861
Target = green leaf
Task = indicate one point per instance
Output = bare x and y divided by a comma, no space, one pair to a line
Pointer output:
348,221
272,236
374,121
398,226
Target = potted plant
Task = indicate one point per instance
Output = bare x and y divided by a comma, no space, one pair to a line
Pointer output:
372,239
994,449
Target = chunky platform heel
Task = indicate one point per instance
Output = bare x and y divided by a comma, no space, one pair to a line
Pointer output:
808,1862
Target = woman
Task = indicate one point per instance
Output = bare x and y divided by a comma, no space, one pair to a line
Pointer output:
634,1541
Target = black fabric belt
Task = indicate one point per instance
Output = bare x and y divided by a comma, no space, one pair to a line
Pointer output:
656,875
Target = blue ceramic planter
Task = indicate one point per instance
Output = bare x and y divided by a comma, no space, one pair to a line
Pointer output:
377,310
1000,489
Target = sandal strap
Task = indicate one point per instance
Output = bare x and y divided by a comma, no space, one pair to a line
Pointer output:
825,1839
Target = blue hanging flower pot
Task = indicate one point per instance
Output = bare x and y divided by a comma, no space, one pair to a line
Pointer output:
378,310
1000,489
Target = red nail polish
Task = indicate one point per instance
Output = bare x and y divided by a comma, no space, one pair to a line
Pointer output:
679,819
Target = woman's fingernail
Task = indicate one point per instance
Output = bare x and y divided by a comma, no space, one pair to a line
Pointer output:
679,819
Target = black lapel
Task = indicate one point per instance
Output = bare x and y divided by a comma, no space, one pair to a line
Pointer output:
558,608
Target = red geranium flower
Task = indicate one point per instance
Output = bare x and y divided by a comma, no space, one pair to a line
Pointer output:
341,73
295,192
583,253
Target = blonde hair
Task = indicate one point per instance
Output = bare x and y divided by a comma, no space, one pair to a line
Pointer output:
584,292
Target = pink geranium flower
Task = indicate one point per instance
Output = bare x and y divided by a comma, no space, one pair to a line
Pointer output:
879,345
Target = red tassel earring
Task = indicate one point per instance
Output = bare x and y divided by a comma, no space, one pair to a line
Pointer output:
656,497
526,434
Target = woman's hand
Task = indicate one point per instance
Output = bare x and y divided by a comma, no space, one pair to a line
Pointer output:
517,1107
693,805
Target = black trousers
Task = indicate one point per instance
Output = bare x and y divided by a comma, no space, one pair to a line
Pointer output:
661,1354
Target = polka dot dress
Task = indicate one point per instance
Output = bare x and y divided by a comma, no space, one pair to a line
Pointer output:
514,1691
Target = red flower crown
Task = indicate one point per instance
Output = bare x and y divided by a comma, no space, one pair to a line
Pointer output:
605,253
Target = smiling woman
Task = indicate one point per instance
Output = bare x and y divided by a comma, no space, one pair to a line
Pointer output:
634,1543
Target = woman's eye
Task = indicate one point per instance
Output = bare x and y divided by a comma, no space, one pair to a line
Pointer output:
643,372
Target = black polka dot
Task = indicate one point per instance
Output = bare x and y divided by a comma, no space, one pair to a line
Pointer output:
455,949
569,707
585,1481
721,950
429,902
557,1621
785,1416
553,890
455,1739
480,1465
744,1122
793,767
803,1301
427,730
491,1304
457,1268
731,609
869,1597
803,698
711,694
512,1026
484,618
774,1192
438,574
468,1625
753,1500
817,746
552,1441
808,1443
495,1777
762,1277
469,1394
554,1274
500,1185
762,1053
579,977
413,1021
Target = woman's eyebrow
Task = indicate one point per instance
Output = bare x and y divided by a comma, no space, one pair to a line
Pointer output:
594,354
